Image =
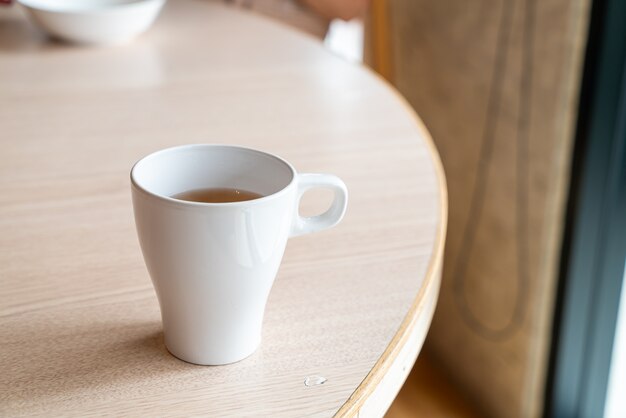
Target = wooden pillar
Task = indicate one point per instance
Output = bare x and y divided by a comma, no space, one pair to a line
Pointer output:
497,83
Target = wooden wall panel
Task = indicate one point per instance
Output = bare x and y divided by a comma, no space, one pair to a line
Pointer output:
497,83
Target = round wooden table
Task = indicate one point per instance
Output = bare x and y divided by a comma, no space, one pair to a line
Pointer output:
79,319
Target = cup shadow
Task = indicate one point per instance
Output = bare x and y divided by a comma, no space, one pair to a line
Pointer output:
61,361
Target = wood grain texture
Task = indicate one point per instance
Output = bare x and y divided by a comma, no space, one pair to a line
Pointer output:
79,320
384,393
497,83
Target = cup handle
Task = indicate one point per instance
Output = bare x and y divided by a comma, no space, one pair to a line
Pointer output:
305,225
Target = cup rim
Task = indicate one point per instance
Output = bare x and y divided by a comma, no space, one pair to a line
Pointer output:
186,203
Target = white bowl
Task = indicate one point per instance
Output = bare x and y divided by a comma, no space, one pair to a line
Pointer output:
93,21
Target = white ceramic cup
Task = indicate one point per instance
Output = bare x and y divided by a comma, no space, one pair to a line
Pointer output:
213,264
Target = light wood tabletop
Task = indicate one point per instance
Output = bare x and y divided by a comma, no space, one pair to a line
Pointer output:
80,327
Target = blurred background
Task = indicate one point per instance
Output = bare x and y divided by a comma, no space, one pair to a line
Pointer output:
525,101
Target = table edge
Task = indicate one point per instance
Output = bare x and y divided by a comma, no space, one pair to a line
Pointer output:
431,281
